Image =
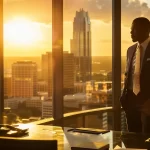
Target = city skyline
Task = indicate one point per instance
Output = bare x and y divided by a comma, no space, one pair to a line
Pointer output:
100,62
30,31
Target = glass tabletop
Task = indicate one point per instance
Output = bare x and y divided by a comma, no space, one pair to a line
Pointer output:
67,139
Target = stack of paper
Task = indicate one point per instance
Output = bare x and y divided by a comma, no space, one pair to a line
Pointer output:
78,141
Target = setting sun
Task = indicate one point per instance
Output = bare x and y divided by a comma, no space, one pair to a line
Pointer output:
22,32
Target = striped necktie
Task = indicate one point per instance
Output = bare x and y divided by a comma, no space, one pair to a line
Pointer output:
136,75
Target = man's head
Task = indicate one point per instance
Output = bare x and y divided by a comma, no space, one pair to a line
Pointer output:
140,29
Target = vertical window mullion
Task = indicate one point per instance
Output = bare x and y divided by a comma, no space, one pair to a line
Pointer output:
1,64
116,61
57,59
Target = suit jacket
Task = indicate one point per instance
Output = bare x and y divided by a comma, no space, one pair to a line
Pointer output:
144,94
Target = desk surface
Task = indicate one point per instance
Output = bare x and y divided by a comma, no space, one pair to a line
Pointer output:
65,139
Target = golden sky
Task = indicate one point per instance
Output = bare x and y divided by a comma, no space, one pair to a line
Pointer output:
28,27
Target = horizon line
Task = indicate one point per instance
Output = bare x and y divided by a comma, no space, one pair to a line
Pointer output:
41,54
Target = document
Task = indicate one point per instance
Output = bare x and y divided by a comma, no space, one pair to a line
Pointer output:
82,140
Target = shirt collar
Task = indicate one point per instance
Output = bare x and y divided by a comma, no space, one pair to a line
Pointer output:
145,43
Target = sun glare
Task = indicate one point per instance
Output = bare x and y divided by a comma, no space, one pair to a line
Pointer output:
22,32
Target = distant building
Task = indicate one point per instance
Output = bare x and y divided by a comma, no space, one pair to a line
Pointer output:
42,86
34,102
68,72
101,91
81,46
72,102
39,74
46,109
109,76
24,79
99,85
7,86
47,71
43,94
11,103
79,87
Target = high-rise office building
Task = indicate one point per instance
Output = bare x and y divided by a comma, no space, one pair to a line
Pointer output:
34,102
81,46
47,109
47,71
68,72
7,86
24,79
46,60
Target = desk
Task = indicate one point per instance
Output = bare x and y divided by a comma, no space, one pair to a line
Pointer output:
131,140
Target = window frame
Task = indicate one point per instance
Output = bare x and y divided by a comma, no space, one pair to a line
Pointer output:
1,64
57,57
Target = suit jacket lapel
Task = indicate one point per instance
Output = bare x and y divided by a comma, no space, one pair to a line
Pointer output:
146,55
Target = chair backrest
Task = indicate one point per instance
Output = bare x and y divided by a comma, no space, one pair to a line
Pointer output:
27,144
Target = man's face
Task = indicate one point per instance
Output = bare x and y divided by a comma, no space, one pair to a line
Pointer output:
138,32
135,32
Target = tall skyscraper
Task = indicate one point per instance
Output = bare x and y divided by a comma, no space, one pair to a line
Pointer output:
68,72
24,79
81,46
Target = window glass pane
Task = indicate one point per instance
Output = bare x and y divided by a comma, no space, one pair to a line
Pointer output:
88,57
27,60
131,9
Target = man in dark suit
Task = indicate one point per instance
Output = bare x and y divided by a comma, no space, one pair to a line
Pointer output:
135,98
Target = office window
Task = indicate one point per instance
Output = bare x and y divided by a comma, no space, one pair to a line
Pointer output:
87,56
27,60
130,10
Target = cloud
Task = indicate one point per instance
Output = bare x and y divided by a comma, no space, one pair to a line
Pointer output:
133,9
141,1
98,9
102,9
41,10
